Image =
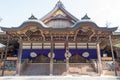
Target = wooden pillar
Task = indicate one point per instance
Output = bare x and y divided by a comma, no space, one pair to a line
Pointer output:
67,55
117,52
51,65
18,67
113,57
99,59
6,52
67,64
51,57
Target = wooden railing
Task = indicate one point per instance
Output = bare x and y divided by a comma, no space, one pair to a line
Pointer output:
10,68
109,68
108,65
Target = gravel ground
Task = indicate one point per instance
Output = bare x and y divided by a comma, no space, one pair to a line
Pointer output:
60,78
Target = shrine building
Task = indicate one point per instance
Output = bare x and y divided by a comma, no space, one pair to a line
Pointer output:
59,44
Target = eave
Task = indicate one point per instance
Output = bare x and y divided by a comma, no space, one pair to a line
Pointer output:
44,27
26,23
92,24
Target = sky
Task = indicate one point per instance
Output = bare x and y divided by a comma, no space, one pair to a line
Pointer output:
102,12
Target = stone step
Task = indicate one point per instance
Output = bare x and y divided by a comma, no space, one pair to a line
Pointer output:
36,69
58,69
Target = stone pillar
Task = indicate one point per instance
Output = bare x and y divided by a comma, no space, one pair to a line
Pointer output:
99,59
18,67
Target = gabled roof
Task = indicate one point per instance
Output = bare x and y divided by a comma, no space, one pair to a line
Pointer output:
59,6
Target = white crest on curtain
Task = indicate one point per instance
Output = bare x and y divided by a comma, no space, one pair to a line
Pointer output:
33,54
68,54
49,55
85,54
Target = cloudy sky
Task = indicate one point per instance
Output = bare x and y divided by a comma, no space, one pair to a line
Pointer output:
102,12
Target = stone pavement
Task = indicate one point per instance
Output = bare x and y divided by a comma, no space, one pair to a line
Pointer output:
60,78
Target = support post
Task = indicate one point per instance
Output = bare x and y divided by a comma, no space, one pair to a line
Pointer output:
51,65
2,55
99,59
6,52
18,67
51,57
67,65
113,57
117,52
67,55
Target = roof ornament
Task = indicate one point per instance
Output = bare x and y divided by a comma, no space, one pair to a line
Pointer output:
60,4
108,24
32,17
85,17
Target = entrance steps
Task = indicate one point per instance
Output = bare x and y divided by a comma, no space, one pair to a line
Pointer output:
43,69
36,69
59,69
82,69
